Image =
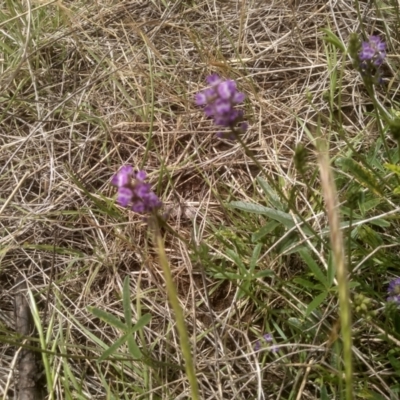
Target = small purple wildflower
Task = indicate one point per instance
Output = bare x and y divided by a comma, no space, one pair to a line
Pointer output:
374,51
394,291
123,177
267,338
370,58
219,101
132,190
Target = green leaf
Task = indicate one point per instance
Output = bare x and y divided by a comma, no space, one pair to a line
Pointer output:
315,269
331,270
369,205
114,347
126,299
316,303
264,273
108,318
227,275
280,216
264,231
144,320
333,39
291,244
279,331
134,348
380,222
244,289
272,196
255,256
352,285
304,282
236,259
324,393
295,322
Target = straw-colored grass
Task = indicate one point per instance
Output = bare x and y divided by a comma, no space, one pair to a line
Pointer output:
89,86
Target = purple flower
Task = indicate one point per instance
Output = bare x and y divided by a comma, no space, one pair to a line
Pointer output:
123,176
133,191
370,58
124,196
213,79
394,291
374,51
263,342
219,101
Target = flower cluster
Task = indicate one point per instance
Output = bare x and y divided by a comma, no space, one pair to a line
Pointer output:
373,51
219,101
371,57
394,291
133,191
265,340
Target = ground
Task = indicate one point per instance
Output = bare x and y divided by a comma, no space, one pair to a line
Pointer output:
87,87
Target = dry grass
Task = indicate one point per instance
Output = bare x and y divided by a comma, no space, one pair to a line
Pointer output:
87,87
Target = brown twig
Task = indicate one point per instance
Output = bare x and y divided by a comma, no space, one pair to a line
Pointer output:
27,368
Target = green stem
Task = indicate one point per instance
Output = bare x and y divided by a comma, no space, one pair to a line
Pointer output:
336,238
180,319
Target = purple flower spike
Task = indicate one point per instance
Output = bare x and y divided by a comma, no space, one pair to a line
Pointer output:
238,97
124,196
201,99
123,176
377,42
135,192
226,89
367,52
219,101
371,57
213,79
141,175
222,107
373,50
394,291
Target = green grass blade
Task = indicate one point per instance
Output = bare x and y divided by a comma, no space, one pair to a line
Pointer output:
126,298
141,323
108,318
114,347
315,269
